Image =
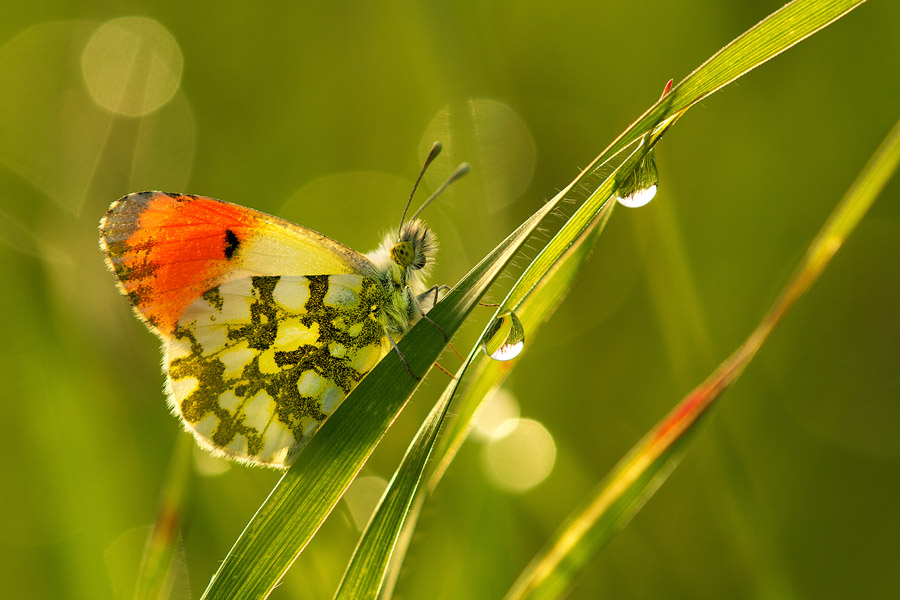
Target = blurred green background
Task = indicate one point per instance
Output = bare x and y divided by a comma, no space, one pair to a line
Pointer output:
321,114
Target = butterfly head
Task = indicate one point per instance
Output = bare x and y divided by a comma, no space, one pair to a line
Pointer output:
416,246
410,255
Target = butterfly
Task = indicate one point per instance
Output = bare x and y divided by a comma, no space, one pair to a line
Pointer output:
266,326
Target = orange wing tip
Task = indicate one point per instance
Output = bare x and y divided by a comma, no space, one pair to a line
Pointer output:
168,249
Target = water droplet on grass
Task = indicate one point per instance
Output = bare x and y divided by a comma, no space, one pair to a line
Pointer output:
639,188
505,338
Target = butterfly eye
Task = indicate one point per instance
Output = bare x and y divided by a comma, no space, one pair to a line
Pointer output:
403,253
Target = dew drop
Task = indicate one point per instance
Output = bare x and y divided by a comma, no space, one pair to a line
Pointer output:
639,187
505,338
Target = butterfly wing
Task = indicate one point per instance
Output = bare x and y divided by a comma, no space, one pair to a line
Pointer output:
266,326
257,364
168,249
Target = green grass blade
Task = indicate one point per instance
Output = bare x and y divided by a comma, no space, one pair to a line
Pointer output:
533,311
640,473
546,281
367,569
156,569
370,564
784,28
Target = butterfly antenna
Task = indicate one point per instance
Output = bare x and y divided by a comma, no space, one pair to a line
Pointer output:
435,150
459,172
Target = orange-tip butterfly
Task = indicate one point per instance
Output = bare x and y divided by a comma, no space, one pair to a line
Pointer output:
266,326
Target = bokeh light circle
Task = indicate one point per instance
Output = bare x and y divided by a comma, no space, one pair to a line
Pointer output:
521,459
490,136
362,497
132,66
497,415
207,465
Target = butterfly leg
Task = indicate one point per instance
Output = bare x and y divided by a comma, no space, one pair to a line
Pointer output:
427,299
419,300
447,288
403,358
446,372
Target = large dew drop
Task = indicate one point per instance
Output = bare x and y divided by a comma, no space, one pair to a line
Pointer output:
505,338
639,188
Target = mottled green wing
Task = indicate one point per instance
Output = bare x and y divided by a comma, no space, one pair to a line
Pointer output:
257,364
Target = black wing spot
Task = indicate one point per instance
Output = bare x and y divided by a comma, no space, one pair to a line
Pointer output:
232,243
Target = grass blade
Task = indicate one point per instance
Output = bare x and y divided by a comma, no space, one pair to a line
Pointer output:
640,473
156,569
548,278
367,569
368,566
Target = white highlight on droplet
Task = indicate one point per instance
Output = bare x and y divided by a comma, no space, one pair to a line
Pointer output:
638,198
521,459
362,497
132,66
497,415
